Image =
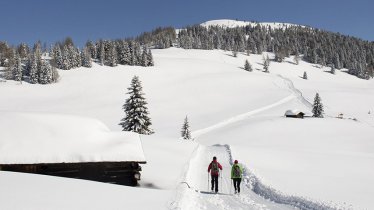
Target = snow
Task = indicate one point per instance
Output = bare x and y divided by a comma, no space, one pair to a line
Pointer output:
33,192
326,161
292,112
237,23
27,138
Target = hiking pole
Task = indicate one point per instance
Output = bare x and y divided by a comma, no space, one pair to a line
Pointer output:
221,183
208,183
231,180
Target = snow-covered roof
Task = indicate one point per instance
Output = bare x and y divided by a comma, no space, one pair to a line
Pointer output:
27,138
292,112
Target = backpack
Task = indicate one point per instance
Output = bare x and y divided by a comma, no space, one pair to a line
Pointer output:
237,171
215,168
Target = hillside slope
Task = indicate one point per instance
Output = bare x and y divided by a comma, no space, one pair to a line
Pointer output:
316,158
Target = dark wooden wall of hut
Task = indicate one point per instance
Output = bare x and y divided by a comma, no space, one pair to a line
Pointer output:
123,173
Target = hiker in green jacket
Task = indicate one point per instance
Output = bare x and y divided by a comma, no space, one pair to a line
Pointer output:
236,175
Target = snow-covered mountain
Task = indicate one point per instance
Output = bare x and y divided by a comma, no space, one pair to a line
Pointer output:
322,163
237,23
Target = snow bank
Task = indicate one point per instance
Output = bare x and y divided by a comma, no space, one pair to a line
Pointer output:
27,138
33,192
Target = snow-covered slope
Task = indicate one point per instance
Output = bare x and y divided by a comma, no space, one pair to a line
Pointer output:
321,159
237,23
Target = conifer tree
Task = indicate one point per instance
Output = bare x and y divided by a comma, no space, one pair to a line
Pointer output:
57,57
86,58
123,53
136,118
305,76
55,75
112,55
332,69
266,64
186,133
45,73
247,66
150,58
17,69
296,58
66,65
317,107
34,77
235,53
102,53
144,61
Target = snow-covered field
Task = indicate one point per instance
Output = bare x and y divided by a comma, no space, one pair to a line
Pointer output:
325,160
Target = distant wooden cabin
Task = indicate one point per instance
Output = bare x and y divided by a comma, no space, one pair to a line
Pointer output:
294,114
70,147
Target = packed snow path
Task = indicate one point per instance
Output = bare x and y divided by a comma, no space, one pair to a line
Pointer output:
195,191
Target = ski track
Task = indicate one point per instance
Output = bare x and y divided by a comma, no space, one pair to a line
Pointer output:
195,193
241,117
296,92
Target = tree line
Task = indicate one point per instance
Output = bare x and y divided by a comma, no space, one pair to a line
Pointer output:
38,65
316,46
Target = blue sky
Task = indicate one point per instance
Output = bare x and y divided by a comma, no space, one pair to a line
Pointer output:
51,20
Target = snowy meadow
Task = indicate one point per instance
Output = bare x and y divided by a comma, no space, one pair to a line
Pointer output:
326,161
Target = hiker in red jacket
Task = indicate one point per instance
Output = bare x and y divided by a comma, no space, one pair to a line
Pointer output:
213,168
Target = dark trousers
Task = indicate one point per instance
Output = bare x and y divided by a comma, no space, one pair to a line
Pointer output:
215,182
237,183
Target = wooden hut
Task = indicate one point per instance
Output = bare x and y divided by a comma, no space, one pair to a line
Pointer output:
294,114
69,147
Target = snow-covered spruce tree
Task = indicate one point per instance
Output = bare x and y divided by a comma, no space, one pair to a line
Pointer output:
112,54
23,51
186,133
296,58
123,53
34,76
150,58
305,76
57,56
235,53
136,118
55,75
75,57
17,69
45,73
144,61
86,58
66,65
266,64
317,107
102,53
91,47
247,66
332,69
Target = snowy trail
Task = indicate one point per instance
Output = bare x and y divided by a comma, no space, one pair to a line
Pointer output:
297,93
241,117
198,196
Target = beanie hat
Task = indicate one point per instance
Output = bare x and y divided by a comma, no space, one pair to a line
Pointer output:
236,161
